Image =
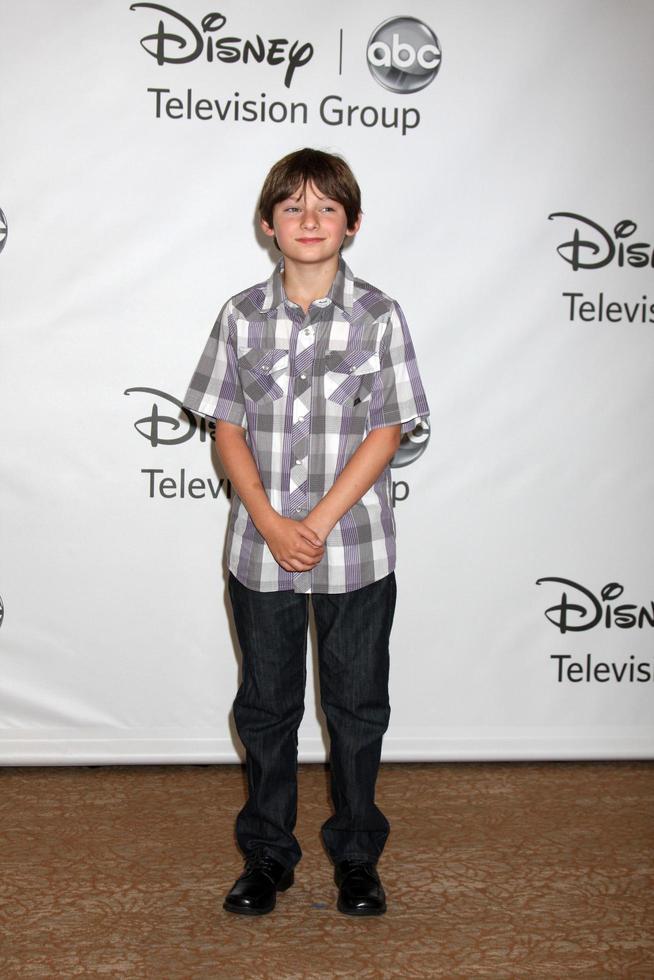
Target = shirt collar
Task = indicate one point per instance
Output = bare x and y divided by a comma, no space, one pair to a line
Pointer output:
341,292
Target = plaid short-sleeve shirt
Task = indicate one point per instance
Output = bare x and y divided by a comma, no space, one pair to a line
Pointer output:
308,388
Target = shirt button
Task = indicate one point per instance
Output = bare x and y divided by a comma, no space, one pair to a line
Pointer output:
265,368
304,377
301,418
298,510
297,462
351,370
308,331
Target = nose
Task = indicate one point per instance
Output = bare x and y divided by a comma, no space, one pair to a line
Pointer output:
310,219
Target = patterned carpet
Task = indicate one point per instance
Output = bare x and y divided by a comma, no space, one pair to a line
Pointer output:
502,870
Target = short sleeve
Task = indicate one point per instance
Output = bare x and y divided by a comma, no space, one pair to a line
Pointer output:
397,395
215,388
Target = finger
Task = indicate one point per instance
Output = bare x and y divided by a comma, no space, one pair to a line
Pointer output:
310,547
303,555
310,536
301,545
311,540
306,562
295,564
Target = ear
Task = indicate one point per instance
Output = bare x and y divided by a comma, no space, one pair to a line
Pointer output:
350,232
266,229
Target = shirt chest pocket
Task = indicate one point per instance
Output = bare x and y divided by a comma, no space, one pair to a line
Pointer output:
350,375
263,372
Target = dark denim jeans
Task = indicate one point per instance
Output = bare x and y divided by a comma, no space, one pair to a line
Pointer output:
353,631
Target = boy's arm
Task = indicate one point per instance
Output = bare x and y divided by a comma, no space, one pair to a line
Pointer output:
357,476
294,546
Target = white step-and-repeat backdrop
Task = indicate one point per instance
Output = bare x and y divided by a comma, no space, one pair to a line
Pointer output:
505,154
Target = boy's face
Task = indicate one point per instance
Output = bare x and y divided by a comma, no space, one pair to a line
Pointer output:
309,227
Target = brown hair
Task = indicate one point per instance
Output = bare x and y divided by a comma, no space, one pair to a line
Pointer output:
330,174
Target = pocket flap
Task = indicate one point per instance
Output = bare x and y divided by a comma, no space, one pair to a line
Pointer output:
354,360
262,360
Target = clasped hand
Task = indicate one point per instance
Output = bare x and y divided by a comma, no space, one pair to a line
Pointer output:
293,544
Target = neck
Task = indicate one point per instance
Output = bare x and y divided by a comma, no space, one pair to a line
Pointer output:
305,283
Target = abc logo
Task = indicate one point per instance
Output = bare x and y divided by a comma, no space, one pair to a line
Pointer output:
413,444
403,54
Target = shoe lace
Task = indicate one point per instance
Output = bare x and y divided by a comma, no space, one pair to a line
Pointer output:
352,864
260,861
349,866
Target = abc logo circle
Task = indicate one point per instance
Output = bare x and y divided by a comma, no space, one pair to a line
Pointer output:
404,54
3,230
413,444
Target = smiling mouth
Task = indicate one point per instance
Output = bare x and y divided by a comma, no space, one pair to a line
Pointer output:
310,241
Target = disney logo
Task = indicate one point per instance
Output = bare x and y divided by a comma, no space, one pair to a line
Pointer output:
589,608
153,423
599,247
182,42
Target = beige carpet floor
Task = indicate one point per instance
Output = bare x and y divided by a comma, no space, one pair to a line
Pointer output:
502,870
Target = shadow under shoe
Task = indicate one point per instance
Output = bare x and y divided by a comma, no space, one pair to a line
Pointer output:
360,891
255,892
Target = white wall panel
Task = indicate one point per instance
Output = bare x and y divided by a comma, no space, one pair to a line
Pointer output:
126,233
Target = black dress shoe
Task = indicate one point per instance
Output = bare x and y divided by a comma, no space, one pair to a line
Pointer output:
360,891
255,892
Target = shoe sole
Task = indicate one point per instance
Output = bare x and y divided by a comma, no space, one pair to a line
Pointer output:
284,885
359,912
246,911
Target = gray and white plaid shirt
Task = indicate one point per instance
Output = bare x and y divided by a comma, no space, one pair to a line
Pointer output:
308,388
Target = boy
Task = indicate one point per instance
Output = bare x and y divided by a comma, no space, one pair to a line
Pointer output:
311,377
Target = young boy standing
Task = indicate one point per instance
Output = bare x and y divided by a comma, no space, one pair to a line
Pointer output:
312,379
